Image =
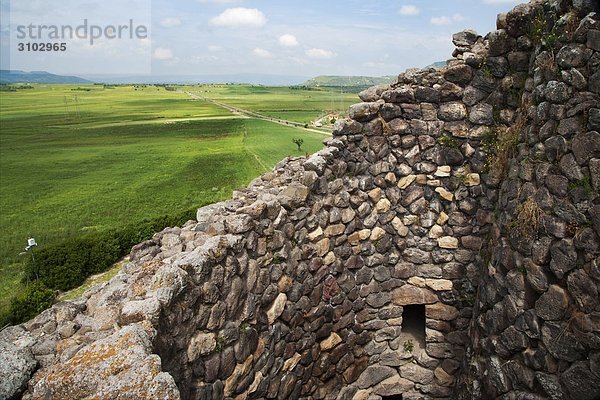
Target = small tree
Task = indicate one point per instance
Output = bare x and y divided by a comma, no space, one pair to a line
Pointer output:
298,143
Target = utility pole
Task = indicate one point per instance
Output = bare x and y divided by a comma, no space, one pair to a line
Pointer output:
30,245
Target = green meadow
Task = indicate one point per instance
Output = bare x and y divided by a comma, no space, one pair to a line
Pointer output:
80,159
294,104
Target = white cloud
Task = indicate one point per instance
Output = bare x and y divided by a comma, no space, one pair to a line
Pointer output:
170,22
446,20
262,53
443,20
240,17
288,40
162,53
409,10
458,18
501,1
214,47
320,53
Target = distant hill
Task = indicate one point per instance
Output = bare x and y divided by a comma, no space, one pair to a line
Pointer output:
348,81
241,78
437,64
15,76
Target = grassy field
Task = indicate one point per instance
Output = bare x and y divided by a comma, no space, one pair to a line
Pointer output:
299,105
75,161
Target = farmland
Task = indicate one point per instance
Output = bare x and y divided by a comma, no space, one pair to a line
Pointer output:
298,104
78,159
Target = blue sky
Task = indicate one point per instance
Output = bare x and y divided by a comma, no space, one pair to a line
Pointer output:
306,38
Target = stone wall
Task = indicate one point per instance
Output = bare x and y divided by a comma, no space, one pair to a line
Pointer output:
536,330
443,244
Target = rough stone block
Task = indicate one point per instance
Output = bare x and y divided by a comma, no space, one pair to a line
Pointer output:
409,294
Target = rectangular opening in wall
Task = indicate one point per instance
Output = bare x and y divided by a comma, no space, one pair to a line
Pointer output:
392,397
413,324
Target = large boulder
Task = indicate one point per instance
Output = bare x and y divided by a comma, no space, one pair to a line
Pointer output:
121,364
16,366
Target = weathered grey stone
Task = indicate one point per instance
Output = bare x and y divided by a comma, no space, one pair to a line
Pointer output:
204,217
416,373
393,385
473,95
550,385
453,111
472,59
315,163
593,39
497,66
553,304
586,6
560,342
572,55
276,308
417,256
586,239
254,210
580,382
373,93
344,126
441,311
482,114
518,61
521,377
564,257
442,377
556,147
409,294
411,194
594,119
517,20
107,368
377,300
374,374
238,223
201,344
293,195
500,43
569,127
594,82
139,310
536,276
466,38
496,375
459,74
594,166
16,367
585,146
557,92
583,290
363,112
557,185
403,94
390,111
425,94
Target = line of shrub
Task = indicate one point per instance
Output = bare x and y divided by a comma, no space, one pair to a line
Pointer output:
66,265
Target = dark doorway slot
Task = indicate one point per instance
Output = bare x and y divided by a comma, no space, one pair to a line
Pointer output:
413,321
392,397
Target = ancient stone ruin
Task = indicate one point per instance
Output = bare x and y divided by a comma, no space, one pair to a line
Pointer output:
444,244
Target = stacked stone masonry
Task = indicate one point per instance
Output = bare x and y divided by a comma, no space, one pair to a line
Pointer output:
469,193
